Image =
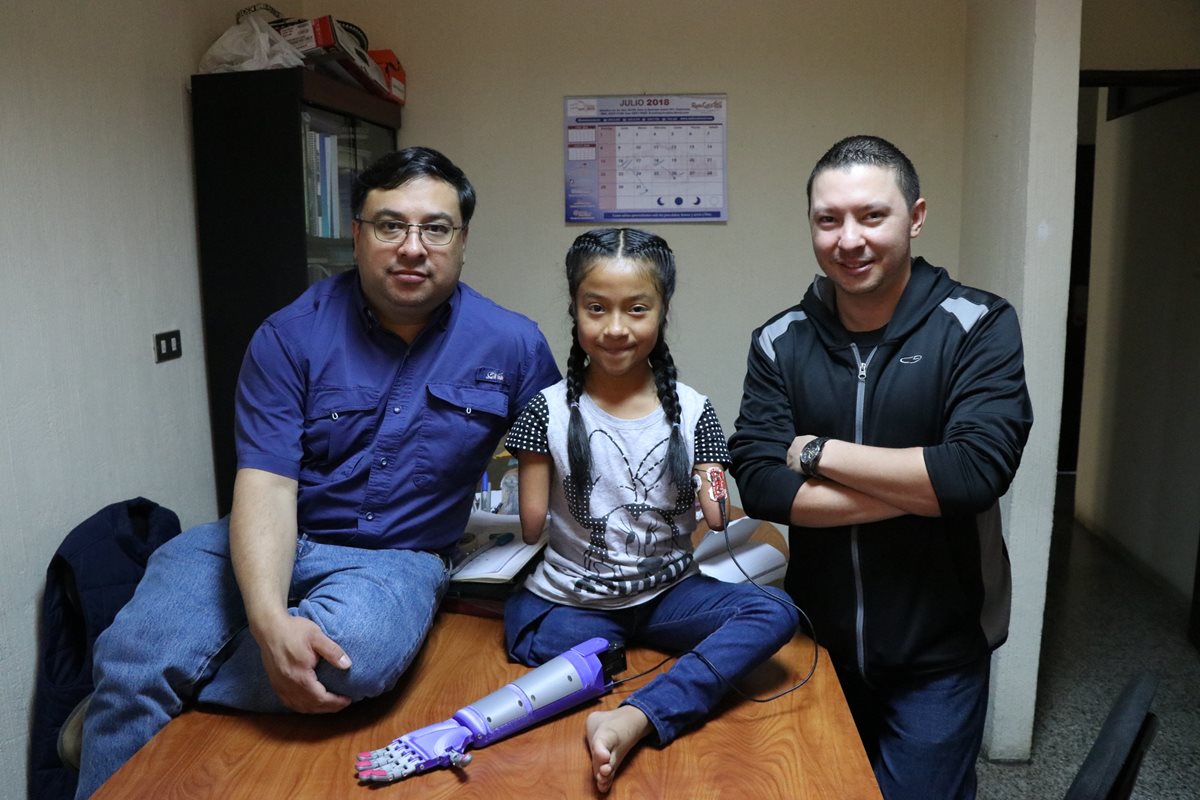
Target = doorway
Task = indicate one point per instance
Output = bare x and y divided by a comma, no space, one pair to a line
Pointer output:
1126,357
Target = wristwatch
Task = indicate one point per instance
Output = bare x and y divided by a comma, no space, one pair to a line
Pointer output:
810,456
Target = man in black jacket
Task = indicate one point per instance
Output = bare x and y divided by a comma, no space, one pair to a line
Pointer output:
882,418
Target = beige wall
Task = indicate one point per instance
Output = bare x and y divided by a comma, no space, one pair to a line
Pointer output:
97,235
1139,479
1149,34
486,85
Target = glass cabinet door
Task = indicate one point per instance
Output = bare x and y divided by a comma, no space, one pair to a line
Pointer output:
336,149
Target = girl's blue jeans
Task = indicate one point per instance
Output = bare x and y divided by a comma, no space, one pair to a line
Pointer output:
733,625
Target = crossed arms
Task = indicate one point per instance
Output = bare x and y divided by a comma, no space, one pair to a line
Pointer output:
971,435
860,484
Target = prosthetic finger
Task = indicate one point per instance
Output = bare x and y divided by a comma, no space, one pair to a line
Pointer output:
437,745
582,673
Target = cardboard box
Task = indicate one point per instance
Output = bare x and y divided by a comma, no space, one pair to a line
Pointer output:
331,48
393,72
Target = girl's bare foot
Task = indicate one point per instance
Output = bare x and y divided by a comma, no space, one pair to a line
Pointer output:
610,736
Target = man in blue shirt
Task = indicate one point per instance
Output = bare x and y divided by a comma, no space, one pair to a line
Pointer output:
366,411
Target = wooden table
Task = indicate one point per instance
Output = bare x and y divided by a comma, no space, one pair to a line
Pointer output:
801,746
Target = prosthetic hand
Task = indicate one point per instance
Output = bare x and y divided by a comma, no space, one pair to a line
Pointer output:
580,674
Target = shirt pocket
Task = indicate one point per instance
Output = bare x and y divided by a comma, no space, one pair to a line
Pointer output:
458,434
339,423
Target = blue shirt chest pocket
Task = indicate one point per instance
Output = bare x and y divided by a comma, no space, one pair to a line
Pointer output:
459,433
338,425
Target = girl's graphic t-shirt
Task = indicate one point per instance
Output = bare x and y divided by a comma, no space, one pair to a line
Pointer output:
627,537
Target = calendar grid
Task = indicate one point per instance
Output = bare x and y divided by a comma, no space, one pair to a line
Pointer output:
654,158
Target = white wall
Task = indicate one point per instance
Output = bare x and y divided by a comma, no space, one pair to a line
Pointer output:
1022,66
486,84
1139,478
98,253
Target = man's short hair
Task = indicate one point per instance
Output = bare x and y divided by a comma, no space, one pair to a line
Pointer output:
872,151
396,169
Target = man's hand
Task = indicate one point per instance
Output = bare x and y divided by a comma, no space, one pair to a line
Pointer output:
291,650
262,543
793,453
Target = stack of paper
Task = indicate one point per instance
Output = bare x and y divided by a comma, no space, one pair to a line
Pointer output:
759,560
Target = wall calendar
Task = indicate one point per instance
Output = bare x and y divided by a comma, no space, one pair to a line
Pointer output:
645,158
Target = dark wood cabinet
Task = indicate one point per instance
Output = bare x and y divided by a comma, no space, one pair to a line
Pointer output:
275,152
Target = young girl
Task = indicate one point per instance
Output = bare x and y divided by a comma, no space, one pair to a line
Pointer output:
610,452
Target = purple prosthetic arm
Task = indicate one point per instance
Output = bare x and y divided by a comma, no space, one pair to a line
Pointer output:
580,674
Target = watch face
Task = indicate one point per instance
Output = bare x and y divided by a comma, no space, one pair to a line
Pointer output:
808,454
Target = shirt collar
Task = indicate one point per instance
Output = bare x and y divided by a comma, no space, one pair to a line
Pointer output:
440,316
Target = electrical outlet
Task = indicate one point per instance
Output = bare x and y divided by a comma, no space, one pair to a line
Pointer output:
167,346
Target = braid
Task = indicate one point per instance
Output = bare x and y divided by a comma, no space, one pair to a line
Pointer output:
652,251
579,454
655,251
678,466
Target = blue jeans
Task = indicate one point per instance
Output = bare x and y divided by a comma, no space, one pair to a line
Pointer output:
734,625
922,735
184,636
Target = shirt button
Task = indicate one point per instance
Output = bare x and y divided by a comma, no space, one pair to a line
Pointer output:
370,516
383,462
395,409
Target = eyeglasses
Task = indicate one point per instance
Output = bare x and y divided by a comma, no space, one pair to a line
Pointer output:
393,231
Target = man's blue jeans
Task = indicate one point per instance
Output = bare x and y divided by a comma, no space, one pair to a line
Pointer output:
734,625
184,636
922,735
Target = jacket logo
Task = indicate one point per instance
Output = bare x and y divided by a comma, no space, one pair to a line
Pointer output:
910,359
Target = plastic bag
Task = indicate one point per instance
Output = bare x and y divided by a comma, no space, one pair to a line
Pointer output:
250,44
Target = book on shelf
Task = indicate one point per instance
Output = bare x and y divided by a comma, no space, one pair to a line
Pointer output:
347,170
329,190
327,184
322,188
311,178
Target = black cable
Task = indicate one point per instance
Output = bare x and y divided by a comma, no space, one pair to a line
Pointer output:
784,602
615,684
